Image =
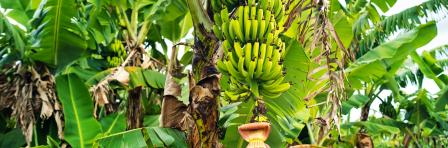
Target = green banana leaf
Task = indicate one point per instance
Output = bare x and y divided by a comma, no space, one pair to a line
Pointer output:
59,38
166,137
421,108
429,71
81,127
374,64
377,128
442,100
145,137
355,101
127,139
113,123
17,141
288,113
145,77
244,114
384,5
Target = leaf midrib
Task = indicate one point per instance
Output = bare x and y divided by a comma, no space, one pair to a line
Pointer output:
56,30
113,124
75,111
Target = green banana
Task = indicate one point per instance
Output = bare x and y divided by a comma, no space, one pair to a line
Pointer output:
247,53
233,59
268,16
262,30
254,28
227,46
253,12
273,84
276,71
280,88
224,15
269,95
246,12
259,69
283,47
231,31
225,31
269,51
238,49
217,19
270,39
217,32
241,67
251,69
221,67
260,16
247,28
233,72
255,50
237,29
231,96
240,15
267,66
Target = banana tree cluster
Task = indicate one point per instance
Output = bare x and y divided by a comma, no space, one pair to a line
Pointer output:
84,73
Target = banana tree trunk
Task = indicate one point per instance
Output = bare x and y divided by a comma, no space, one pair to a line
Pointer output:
200,118
135,110
204,94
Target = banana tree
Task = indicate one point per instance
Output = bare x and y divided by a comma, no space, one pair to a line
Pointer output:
111,62
47,44
83,42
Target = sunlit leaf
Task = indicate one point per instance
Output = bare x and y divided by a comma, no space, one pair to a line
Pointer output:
58,40
81,127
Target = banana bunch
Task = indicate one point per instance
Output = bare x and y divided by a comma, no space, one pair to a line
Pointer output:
118,55
386,108
237,91
253,51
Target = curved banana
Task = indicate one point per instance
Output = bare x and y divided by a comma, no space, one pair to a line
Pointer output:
247,53
241,67
253,12
233,60
217,19
247,28
254,29
246,12
224,15
272,84
238,49
280,88
225,31
221,67
233,72
237,29
217,32
259,68
255,50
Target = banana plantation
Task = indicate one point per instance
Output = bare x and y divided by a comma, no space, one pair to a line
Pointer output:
223,73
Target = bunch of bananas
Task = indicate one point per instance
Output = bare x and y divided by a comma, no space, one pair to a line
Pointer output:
118,53
253,51
386,108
